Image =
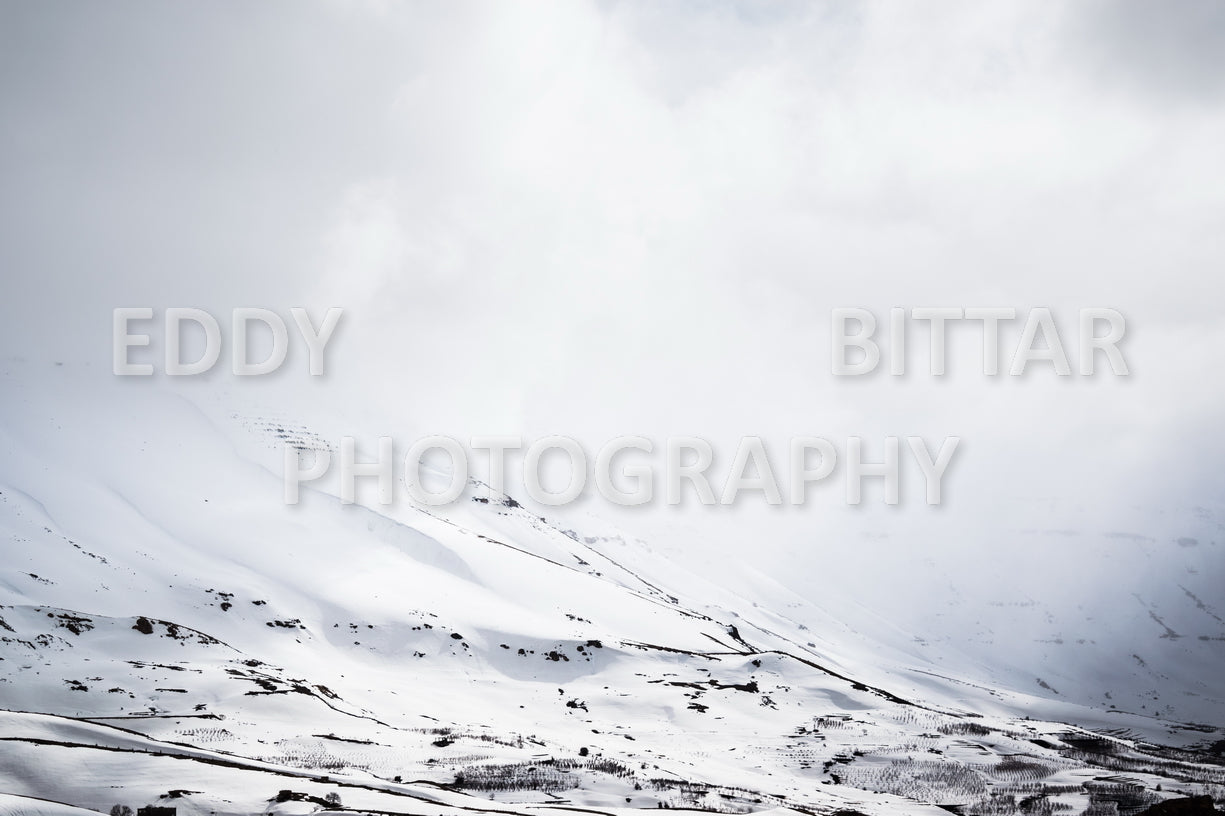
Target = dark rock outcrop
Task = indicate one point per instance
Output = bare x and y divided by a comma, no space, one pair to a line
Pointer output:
1191,806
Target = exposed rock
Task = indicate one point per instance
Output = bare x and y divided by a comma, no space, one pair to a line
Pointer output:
1191,806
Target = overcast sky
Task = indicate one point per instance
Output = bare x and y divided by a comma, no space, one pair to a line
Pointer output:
598,219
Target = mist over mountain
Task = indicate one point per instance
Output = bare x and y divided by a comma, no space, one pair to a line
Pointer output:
606,221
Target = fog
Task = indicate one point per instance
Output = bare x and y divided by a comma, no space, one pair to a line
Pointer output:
605,219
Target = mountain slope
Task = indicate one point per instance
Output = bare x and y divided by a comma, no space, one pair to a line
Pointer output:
172,633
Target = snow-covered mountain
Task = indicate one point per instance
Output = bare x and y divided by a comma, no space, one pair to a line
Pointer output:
172,634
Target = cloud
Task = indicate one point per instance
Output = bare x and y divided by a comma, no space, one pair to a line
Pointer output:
1170,54
599,219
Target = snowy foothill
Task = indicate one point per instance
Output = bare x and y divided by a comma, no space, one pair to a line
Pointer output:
190,641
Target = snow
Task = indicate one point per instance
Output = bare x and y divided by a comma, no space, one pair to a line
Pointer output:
173,634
